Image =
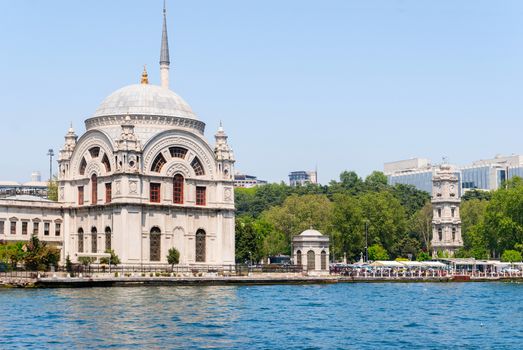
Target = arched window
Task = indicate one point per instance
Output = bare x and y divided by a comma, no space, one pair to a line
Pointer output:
107,238
311,263
323,260
94,189
105,162
200,246
83,165
453,233
178,184
94,240
178,152
298,258
440,233
158,163
197,166
95,152
80,240
155,246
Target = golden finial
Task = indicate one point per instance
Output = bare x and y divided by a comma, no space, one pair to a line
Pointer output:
145,77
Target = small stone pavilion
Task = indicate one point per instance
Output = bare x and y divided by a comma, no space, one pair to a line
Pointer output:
311,250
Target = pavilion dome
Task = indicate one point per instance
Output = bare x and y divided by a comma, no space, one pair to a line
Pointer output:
311,232
145,100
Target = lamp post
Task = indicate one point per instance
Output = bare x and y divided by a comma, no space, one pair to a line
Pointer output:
50,153
366,242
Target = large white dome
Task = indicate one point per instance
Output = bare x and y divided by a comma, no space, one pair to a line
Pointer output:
144,99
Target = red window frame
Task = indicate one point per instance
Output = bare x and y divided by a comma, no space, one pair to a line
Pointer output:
94,189
108,192
178,186
154,193
81,195
201,194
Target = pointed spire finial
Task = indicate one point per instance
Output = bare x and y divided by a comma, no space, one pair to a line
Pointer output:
145,76
164,52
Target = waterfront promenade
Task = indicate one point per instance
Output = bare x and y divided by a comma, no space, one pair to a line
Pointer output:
62,280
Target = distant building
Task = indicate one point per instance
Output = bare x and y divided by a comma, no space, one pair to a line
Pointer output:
486,174
300,178
247,181
36,187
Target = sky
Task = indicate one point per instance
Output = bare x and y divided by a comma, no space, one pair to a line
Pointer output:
299,84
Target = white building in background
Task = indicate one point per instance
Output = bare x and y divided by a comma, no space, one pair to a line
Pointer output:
446,222
141,180
487,174
247,181
301,178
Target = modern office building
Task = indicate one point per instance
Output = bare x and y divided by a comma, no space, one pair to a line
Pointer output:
300,178
487,174
247,181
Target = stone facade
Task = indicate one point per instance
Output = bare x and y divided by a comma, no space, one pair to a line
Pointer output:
141,180
310,249
446,222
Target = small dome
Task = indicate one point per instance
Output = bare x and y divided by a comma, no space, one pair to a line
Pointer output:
311,232
145,99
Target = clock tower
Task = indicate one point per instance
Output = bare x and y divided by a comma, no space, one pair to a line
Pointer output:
446,222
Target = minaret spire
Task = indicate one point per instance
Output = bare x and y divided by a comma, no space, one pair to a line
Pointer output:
164,53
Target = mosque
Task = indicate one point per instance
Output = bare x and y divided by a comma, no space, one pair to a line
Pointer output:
141,180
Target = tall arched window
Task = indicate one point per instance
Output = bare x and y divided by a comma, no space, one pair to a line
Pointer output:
453,233
200,246
440,234
94,240
155,246
80,240
94,189
178,184
108,238
311,263
298,258
323,260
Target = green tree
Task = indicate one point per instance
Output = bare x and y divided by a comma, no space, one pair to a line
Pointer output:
511,256
423,256
173,257
476,195
421,225
299,213
39,256
249,241
347,227
113,260
376,181
412,199
377,252
472,217
350,183
52,189
386,218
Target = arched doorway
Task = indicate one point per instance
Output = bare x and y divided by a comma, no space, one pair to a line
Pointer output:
298,258
323,260
311,263
108,238
200,245
80,240
94,240
155,244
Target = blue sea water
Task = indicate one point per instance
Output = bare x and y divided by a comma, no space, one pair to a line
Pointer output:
341,316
